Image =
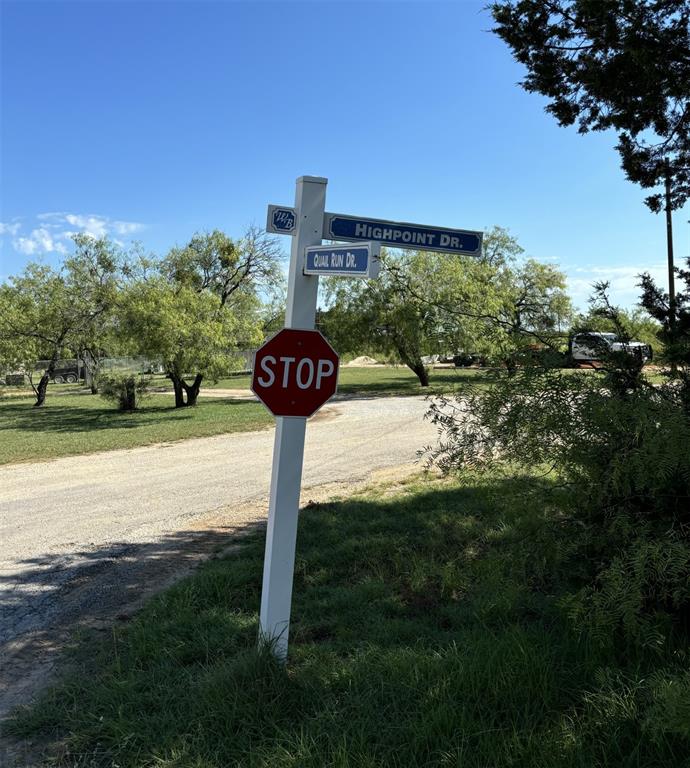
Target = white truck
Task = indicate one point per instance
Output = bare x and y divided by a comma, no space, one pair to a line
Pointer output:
594,346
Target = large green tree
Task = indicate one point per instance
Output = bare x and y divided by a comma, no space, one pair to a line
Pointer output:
389,315
189,331
45,312
230,269
423,303
532,310
196,308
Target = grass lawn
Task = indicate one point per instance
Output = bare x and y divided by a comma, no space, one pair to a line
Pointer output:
427,631
380,380
75,424
385,380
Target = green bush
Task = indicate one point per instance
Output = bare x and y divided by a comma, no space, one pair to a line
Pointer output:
619,447
125,390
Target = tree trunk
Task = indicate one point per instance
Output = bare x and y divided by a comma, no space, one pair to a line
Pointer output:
129,402
420,372
177,387
414,362
181,389
91,373
418,368
42,388
193,389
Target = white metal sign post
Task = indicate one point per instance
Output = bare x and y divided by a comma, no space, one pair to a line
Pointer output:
308,223
288,448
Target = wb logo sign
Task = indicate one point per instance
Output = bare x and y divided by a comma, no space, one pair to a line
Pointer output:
283,220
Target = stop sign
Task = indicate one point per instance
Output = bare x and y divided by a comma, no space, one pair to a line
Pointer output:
295,372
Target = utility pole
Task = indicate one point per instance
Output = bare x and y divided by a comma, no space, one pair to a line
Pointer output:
669,251
671,268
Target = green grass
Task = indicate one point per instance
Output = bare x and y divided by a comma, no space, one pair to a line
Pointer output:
68,425
382,380
426,632
388,380
53,389
73,421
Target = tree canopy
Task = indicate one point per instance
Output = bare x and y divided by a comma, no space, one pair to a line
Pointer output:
44,312
195,308
619,64
425,303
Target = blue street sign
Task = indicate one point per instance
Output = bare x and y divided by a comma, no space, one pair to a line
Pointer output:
337,226
344,260
281,220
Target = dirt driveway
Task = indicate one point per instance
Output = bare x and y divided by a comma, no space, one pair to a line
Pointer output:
86,538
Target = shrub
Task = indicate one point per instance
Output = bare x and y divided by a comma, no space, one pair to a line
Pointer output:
619,445
126,391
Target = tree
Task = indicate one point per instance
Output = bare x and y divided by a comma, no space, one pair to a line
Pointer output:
382,317
619,64
96,265
190,331
44,312
532,306
496,305
231,270
198,306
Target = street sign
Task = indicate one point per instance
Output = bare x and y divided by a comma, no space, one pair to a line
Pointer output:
343,260
295,372
281,220
338,226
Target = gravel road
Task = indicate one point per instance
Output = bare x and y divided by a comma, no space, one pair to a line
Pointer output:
85,538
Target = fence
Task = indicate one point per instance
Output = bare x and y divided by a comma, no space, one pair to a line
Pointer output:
243,359
71,370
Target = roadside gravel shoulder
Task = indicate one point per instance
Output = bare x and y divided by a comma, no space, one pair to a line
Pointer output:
87,538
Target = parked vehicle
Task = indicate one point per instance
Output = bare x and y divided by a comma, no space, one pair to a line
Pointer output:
67,372
594,346
465,360
14,379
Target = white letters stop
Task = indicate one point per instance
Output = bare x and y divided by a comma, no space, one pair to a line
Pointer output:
305,372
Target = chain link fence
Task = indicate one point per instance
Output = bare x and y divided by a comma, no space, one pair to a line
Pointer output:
73,370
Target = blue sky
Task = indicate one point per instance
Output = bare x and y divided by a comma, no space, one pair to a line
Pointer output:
152,120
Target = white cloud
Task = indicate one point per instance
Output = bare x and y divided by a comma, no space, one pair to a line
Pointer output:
7,228
91,224
96,226
126,227
39,241
57,227
623,289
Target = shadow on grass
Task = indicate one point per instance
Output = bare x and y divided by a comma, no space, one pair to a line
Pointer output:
72,418
390,384
425,632
45,599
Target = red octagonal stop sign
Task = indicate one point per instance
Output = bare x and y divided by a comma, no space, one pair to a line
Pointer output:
295,372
